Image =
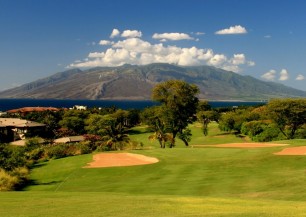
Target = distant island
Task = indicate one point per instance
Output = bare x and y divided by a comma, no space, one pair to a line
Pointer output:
132,82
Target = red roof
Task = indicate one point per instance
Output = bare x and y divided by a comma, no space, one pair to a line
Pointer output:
33,109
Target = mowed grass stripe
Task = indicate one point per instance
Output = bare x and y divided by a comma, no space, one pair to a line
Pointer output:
72,204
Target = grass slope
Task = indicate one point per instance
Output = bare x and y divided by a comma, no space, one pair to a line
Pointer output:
186,182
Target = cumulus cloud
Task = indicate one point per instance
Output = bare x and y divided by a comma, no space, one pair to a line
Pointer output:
174,36
137,51
300,77
105,42
232,30
284,75
270,75
115,33
200,33
131,34
238,59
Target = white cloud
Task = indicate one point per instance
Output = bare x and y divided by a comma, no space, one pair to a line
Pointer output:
267,36
174,36
115,33
131,34
238,59
251,63
284,75
200,33
105,42
232,30
300,77
137,51
270,75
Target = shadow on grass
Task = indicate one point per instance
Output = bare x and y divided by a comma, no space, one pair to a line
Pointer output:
137,132
33,182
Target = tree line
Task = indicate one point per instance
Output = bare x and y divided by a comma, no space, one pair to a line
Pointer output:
107,129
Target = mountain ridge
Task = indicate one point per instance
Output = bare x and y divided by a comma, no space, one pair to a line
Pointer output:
135,82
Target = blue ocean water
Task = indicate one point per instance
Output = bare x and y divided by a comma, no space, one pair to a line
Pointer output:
7,104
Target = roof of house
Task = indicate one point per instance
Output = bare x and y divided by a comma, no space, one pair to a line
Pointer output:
16,122
33,109
69,139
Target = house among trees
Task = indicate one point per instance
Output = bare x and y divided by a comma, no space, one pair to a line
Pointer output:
12,129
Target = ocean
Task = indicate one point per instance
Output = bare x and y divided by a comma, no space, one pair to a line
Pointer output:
7,104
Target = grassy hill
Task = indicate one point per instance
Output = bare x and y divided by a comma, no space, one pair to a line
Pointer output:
203,181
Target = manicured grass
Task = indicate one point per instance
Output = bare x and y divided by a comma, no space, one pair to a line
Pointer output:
186,182
222,172
215,136
74,204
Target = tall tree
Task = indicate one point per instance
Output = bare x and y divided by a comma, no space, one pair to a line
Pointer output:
288,114
179,103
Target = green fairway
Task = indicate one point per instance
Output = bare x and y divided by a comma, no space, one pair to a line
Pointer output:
72,204
186,181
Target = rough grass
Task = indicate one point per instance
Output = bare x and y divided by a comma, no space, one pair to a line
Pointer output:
186,182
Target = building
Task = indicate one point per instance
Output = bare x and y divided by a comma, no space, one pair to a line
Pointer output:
79,107
12,129
25,110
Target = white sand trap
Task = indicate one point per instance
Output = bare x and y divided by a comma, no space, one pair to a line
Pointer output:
119,160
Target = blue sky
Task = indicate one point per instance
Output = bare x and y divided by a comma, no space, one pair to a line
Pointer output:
262,38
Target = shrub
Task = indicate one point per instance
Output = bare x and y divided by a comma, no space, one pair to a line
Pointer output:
84,147
7,181
11,157
66,150
262,131
35,154
57,151
14,179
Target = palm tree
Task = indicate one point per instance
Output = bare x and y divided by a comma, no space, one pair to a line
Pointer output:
160,134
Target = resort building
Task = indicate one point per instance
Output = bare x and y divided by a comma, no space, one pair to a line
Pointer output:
12,129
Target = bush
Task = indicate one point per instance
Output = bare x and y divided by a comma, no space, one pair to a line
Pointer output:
262,131
66,150
36,154
7,181
11,157
12,180
57,151
84,147
33,143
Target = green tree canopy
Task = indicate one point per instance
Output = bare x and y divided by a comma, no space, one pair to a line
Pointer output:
179,104
288,114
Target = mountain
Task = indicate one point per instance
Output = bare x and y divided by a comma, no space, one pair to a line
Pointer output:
136,83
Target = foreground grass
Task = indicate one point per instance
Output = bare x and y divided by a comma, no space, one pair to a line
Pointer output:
186,182
213,172
24,204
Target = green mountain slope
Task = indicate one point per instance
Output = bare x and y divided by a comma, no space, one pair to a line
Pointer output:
136,82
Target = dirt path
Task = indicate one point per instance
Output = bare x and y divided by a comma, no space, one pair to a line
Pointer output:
119,160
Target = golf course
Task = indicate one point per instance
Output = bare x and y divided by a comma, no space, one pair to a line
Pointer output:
204,179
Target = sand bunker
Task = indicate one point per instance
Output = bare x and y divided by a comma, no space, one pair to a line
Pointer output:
119,160
243,145
293,151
